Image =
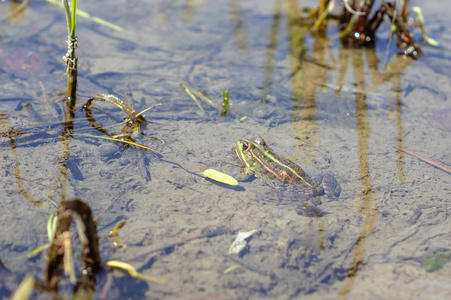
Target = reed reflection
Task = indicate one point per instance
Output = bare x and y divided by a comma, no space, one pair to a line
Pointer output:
303,77
238,22
306,76
309,71
271,49
367,205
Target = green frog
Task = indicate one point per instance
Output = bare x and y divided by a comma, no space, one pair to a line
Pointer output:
276,170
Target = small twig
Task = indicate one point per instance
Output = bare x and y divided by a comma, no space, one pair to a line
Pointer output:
323,15
411,47
192,96
107,286
351,10
248,265
424,159
426,38
140,146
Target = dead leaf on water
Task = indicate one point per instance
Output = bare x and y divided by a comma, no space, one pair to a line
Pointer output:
220,177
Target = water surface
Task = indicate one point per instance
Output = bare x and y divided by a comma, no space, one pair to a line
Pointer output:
333,110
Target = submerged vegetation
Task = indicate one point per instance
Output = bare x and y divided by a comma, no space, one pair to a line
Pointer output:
358,28
60,257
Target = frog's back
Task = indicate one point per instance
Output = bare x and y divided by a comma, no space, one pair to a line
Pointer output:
277,170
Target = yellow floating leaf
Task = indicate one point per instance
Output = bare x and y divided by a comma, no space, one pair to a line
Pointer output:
219,176
132,271
25,289
120,265
230,269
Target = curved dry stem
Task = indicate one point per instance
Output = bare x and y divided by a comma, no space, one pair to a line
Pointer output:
351,10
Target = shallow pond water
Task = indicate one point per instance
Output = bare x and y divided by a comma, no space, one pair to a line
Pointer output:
332,110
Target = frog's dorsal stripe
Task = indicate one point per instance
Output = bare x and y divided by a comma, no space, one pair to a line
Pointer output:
270,156
265,166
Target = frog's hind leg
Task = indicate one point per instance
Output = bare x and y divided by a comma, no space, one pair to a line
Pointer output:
276,197
307,209
330,185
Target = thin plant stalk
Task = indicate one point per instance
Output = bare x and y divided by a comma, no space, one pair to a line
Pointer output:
74,14
71,63
225,102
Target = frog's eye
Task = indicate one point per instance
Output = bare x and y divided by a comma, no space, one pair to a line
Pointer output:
260,142
247,146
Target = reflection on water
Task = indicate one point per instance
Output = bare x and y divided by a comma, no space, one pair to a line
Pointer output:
4,125
239,28
397,82
271,49
303,81
308,72
367,203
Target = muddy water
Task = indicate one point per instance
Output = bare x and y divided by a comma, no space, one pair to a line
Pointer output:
332,110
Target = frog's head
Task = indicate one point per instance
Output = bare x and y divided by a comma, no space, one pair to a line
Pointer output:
260,144
243,149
